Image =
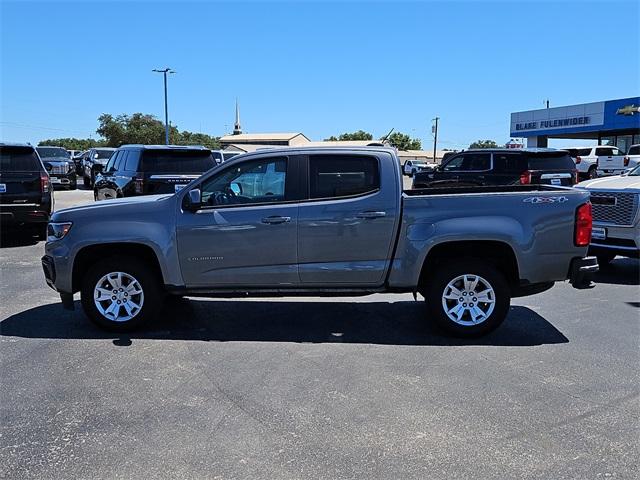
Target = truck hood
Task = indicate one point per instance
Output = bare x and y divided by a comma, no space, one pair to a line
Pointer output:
120,206
628,183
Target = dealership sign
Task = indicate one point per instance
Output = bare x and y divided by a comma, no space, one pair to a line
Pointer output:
584,116
561,122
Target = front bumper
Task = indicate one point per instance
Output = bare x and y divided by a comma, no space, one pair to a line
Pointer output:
49,268
581,271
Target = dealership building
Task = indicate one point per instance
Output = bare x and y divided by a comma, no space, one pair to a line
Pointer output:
611,122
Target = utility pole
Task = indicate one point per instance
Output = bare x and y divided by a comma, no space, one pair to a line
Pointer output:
434,130
166,108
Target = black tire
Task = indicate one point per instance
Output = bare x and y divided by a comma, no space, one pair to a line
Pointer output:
434,292
85,181
151,289
40,231
592,173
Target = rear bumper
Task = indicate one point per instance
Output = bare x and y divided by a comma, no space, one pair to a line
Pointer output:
58,179
581,271
24,214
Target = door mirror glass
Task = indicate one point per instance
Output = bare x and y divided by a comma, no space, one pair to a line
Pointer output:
195,198
95,155
236,188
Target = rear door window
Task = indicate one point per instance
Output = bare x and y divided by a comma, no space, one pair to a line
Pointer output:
18,159
177,161
509,163
333,176
132,161
635,150
604,151
551,161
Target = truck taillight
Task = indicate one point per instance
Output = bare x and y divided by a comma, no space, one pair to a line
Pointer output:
584,221
578,160
139,185
626,160
44,183
525,178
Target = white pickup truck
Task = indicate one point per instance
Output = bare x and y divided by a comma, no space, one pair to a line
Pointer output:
597,161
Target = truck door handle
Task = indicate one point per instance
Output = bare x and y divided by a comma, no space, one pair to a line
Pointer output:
275,220
371,214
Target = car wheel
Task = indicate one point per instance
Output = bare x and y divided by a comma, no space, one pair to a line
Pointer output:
120,294
592,173
468,298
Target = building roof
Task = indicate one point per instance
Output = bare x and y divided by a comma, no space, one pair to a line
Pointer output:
260,137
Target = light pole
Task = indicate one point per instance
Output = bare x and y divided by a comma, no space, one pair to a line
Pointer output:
434,130
166,108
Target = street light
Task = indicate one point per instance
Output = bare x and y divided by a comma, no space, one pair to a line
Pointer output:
166,110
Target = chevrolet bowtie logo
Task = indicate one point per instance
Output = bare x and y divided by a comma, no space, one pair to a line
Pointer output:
628,110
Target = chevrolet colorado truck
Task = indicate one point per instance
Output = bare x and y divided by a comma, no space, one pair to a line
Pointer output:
320,222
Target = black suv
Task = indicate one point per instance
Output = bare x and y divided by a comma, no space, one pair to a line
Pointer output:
151,169
59,165
486,167
93,162
26,197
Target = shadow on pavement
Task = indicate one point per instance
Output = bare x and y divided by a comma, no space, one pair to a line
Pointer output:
621,271
17,237
381,323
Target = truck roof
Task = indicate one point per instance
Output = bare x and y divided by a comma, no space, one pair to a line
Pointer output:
164,147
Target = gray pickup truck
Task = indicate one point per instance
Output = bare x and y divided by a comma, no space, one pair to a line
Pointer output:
320,222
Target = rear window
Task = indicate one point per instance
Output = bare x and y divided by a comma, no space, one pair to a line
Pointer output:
104,153
635,150
551,161
579,152
18,159
177,161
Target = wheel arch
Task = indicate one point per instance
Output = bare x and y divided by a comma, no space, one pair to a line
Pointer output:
496,252
89,255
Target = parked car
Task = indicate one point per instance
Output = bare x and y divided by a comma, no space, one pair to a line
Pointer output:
320,221
77,157
93,163
632,157
60,167
616,221
26,198
151,169
597,161
501,167
221,156
411,167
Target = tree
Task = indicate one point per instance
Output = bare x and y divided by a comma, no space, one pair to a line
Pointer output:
484,144
191,138
136,128
73,143
359,135
402,141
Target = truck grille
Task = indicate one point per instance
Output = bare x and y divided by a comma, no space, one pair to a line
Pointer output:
62,169
617,208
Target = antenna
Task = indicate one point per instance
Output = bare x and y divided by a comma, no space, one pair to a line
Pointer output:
384,139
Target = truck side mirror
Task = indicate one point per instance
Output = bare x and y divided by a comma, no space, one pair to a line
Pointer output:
193,200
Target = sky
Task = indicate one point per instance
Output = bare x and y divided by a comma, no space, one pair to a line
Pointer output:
320,68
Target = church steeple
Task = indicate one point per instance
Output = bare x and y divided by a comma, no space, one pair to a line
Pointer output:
237,129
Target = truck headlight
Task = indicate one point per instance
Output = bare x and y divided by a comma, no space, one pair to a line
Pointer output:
56,231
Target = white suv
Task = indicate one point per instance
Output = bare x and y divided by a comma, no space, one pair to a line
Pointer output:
597,161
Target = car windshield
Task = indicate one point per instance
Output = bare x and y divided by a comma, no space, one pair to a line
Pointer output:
104,153
18,159
52,152
635,172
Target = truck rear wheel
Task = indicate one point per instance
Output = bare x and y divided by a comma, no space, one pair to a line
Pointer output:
468,298
120,294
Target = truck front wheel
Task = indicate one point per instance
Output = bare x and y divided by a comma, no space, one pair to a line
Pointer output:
468,298
120,294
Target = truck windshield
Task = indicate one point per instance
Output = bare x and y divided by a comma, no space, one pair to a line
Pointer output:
177,161
18,159
52,152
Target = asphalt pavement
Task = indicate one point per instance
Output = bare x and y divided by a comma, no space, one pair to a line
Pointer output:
318,388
